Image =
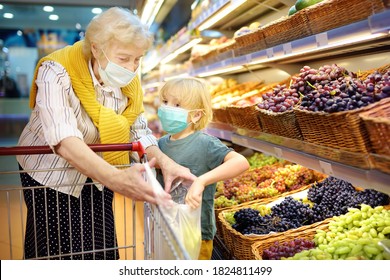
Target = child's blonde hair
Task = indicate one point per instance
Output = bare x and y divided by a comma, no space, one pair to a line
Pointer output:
191,94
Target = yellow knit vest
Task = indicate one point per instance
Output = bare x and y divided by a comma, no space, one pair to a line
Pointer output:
113,128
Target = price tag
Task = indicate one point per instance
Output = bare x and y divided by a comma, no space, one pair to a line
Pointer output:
322,39
287,48
270,53
326,168
278,152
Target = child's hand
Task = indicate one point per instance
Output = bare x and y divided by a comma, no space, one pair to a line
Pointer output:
194,195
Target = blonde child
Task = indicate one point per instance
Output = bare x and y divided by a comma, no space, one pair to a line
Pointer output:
185,110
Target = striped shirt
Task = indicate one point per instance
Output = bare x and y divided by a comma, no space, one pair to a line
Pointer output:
58,114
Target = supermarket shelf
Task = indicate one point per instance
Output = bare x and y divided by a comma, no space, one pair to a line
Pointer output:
363,35
293,150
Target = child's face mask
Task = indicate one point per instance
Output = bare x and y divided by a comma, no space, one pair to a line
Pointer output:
173,119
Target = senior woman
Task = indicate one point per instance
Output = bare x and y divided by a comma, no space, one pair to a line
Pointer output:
84,94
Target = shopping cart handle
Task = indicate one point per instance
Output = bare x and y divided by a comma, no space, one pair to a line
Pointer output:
35,150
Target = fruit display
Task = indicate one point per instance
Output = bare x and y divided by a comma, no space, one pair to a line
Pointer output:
287,249
332,88
352,236
292,213
264,182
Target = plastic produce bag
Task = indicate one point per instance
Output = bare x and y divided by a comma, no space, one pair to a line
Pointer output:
184,221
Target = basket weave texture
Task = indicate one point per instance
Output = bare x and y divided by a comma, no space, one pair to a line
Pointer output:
377,123
283,124
250,43
330,14
287,29
341,130
245,117
259,246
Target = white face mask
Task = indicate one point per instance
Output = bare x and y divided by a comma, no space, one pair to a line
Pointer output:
115,75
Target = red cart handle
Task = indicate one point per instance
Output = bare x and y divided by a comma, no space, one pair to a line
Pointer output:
35,150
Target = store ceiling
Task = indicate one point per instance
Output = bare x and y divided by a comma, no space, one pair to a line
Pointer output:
29,14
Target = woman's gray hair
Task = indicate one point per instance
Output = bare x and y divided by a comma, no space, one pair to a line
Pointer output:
119,24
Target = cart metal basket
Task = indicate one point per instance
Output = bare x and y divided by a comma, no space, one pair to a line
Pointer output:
141,229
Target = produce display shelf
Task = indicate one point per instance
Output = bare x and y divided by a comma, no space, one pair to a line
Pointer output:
294,151
371,32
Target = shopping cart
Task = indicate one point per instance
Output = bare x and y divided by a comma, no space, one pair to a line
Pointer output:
137,224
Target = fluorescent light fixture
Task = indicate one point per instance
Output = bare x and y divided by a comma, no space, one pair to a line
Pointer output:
1,7
53,17
48,9
220,71
180,50
8,15
168,58
221,14
78,26
96,11
150,11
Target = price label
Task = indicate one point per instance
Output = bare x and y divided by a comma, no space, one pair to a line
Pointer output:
287,48
326,168
270,53
322,39
278,152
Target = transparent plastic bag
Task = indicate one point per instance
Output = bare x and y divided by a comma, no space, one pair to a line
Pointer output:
184,221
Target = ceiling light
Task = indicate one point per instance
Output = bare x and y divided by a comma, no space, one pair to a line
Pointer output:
53,17
1,7
221,14
180,50
8,15
151,9
48,9
78,26
97,11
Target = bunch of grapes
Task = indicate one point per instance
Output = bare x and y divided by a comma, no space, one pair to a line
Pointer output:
260,159
333,197
334,89
287,249
280,99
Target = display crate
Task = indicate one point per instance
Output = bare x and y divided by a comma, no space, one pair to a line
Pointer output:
287,29
330,14
283,124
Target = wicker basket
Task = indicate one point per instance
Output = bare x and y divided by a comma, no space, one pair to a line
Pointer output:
245,117
341,130
230,236
360,160
287,29
364,74
250,38
259,246
330,14
242,244
380,162
282,124
250,43
377,123
221,115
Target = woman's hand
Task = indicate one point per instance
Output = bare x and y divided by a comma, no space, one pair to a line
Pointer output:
129,182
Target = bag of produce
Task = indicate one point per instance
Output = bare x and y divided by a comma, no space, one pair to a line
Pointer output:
184,221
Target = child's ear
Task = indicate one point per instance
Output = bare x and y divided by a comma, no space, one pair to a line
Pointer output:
196,116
